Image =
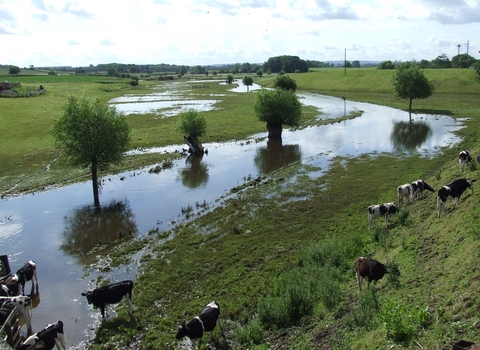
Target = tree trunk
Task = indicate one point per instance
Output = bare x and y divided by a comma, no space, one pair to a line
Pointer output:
194,146
274,131
410,106
96,199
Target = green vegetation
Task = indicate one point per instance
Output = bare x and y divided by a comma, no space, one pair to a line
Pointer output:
410,83
284,245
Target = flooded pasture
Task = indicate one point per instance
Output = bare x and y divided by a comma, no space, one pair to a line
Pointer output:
55,227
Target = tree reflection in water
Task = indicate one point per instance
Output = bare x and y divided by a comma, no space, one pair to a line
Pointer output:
195,173
410,135
90,230
275,155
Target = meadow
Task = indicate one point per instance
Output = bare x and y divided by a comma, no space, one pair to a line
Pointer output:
282,268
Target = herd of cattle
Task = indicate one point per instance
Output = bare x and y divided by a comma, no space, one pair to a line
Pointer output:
12,291
374,270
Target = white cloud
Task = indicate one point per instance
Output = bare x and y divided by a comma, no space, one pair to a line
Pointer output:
191,32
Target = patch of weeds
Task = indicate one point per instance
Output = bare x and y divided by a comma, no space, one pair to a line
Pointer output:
251,334
364,314
393,273
473,166
403,217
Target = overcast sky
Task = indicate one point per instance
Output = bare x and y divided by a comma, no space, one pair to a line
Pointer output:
200,32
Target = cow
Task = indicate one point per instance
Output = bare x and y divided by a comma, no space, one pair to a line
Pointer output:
385,209
52,335
418,187
111,294
205,322
23,305
369,268
452,190
10,286
464,158
37,346
27,272
404,193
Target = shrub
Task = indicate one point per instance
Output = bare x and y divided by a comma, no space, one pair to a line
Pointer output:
365,313
403,217
251,334
393,273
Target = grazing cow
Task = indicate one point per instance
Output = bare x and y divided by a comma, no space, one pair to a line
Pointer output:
369,268
464,158
418,187
205,322
52,335
405,193
111,294
452,190
27,272
24,307
386,209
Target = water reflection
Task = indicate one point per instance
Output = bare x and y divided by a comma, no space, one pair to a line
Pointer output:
276,155
90,229
410,135
195,173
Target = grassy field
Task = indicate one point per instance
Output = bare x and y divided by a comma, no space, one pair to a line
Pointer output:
267,256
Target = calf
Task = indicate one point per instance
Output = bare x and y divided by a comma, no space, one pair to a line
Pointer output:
369,268
52,335
464,158
111,294
385,209
10,286
418,187
205,322
404,192
27,272
452,190
23,305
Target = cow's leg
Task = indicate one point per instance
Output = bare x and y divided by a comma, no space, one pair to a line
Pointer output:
370,221
130,305
102,310
386,220
440,208
61,342
456,200
221,329
359,282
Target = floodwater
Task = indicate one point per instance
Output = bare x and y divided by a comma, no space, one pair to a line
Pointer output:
55,227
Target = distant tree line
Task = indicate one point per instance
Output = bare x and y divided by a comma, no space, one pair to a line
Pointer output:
442,61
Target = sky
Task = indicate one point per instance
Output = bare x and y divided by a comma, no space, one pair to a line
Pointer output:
79,33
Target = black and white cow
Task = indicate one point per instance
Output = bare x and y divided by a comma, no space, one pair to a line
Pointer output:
205,322
385,209
419,186
404,193
111,294
27,272
464,158
23,305
368,268
452,190
52,335
10,286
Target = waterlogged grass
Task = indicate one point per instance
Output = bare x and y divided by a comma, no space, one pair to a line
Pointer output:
290,239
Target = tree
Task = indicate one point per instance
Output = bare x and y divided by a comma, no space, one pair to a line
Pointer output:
476,66
284,82
442,61
91,134
247,80
386,65
134,69
13,70
277,108
229,79
194,125
462,61
259,73
111,70
411,83
356,64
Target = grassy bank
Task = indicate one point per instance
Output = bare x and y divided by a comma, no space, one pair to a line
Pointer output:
283,247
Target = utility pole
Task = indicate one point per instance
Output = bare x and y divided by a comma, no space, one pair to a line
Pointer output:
345,62
458,46
467,47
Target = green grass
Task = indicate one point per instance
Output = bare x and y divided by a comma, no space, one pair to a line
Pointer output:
254,246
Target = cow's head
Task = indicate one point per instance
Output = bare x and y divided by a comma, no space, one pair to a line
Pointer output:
182,330
89,295
470,182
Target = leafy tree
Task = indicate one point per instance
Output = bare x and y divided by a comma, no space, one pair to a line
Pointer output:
442,61
356,64
229,79
247,80
277,108
134,81
411,83
91,134
111,70
134,69
194,125
462,61
425,64
259,73
13,70
386,65
476,66
284,82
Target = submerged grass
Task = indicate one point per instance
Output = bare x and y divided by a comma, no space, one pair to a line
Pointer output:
269,245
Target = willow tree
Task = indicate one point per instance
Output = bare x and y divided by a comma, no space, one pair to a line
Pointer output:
91,134
194,125
277,108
